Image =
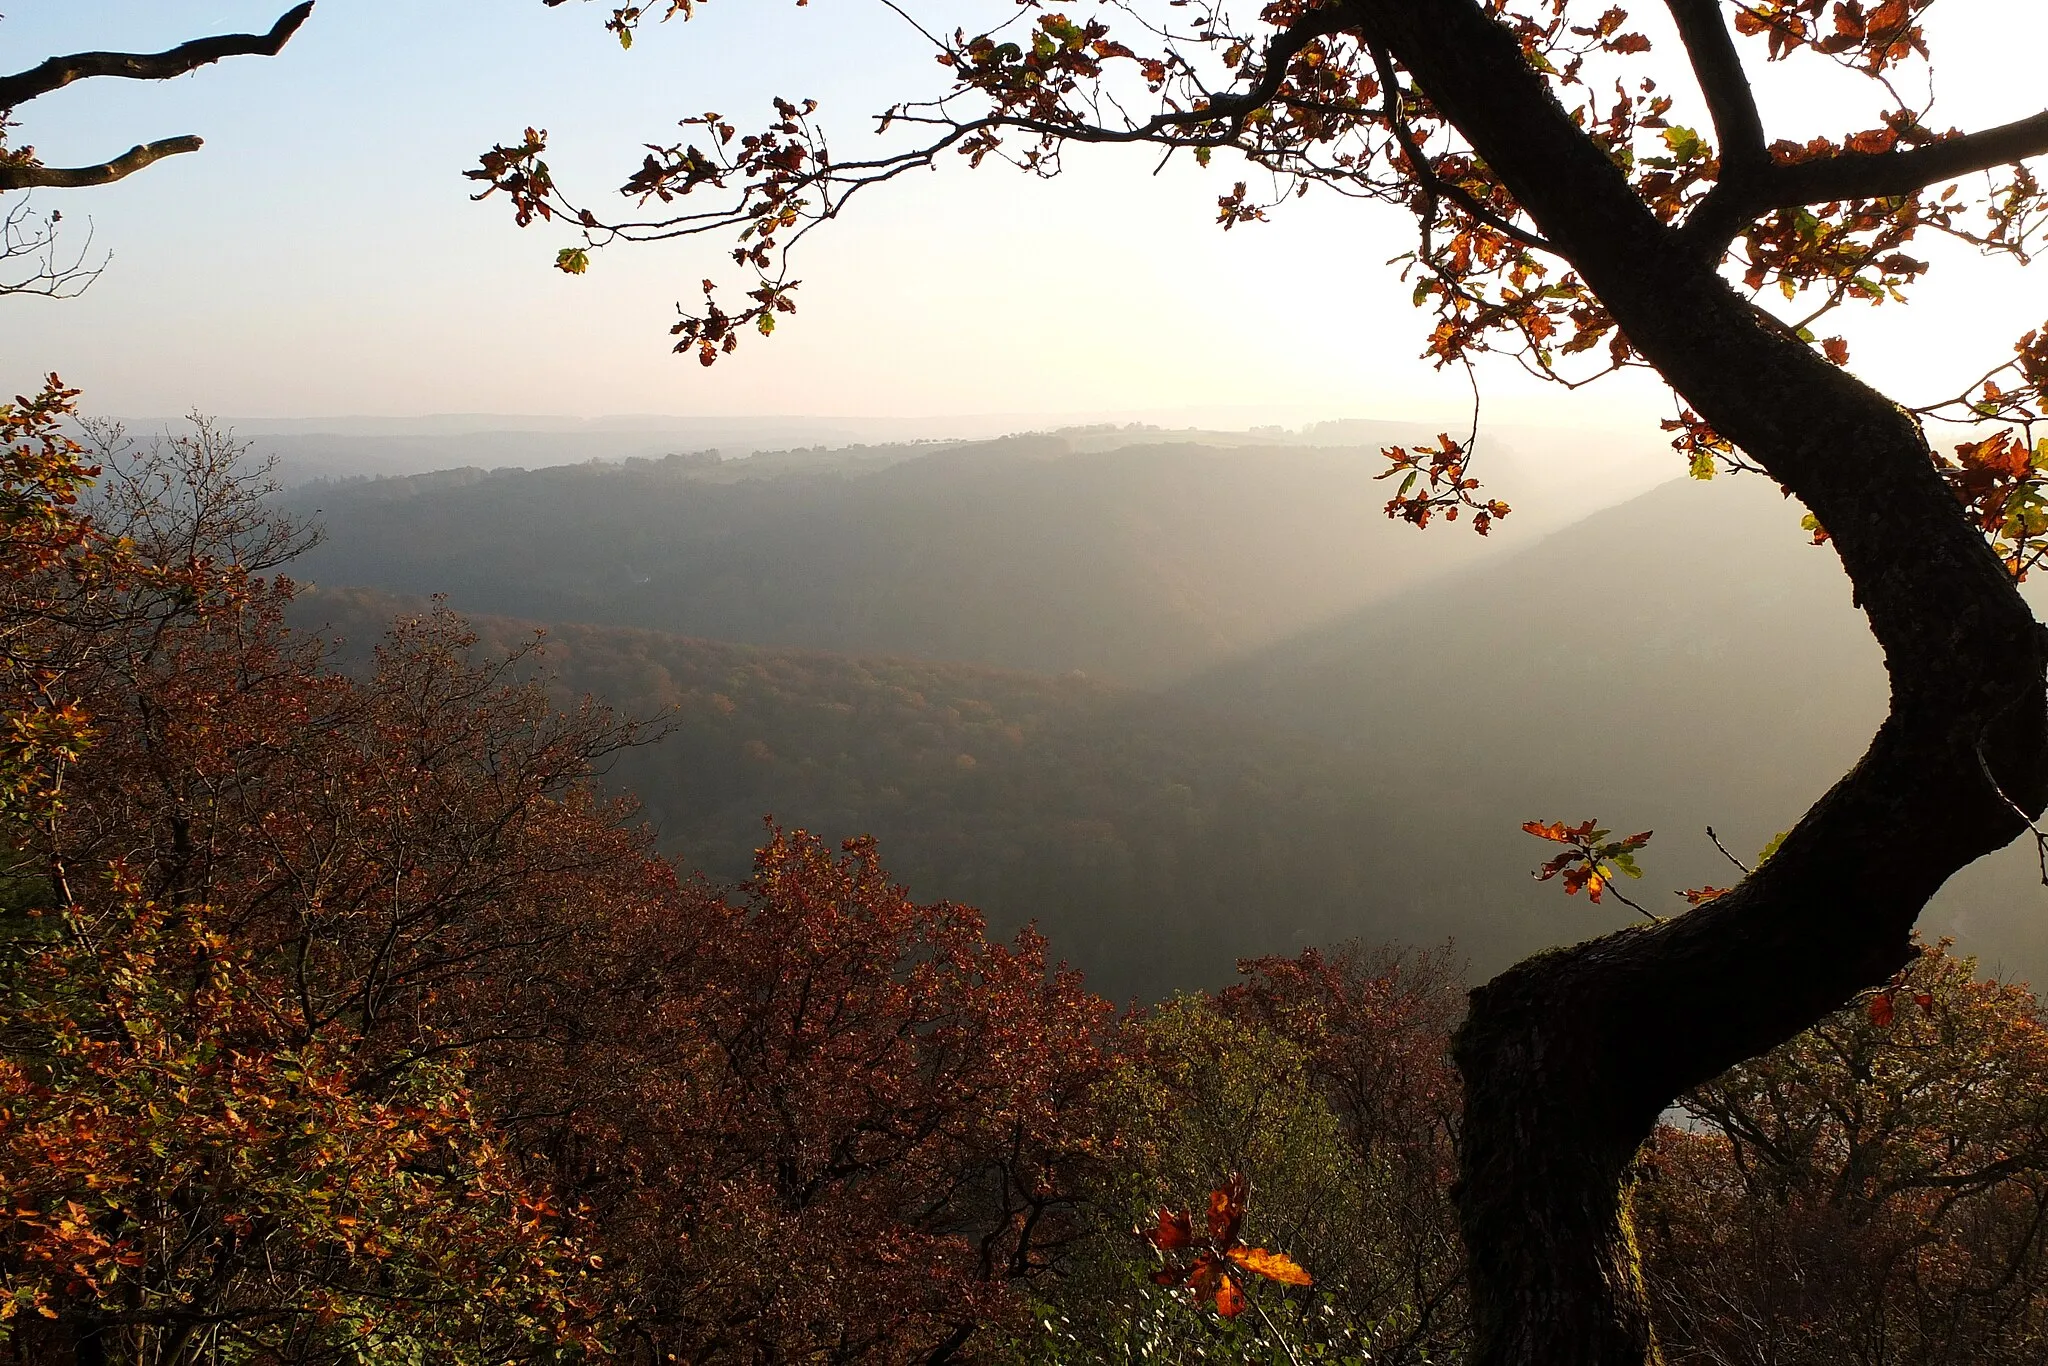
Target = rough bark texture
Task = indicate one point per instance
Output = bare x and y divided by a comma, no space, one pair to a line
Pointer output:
1569,1057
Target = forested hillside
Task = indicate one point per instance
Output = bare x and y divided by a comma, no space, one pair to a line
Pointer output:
1684,660
1154,841
1138,562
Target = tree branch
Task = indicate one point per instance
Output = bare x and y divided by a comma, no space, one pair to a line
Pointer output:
1285,46
1738,127
58,72
1878,175
32,176
1433,185
1737,201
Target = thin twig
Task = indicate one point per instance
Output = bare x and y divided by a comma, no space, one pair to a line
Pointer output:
1746,869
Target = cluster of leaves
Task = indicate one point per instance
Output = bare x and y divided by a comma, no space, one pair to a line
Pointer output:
1999,472
1868,40
1590,860
1220,1259
1449,489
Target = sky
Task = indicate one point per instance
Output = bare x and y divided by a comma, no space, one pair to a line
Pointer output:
321,256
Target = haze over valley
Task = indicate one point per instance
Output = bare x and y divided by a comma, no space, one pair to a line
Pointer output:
1178,696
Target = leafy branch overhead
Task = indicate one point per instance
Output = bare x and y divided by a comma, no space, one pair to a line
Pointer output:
1312,95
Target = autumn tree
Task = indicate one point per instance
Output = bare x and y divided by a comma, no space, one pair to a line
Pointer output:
1325,1082
1572,218
813,1120
1873,1192
262,921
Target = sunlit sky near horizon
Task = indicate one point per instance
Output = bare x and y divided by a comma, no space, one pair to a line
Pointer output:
321,256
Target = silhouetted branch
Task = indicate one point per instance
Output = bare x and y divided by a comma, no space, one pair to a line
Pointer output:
58,72
1739,199
23,238
1738,128
30,175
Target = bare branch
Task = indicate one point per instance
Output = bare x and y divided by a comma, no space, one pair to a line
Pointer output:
29,175
58,72
1738,128
30,262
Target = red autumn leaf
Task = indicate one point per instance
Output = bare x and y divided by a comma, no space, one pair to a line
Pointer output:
1176,1230
1880,1009
1226,1211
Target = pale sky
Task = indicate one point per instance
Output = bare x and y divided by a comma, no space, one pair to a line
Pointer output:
320,256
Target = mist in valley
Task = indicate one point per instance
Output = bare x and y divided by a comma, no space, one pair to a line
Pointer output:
1178,697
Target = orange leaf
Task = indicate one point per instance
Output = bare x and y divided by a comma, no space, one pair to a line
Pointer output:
1274,1266
1176,1230
1230,1300
1226,1211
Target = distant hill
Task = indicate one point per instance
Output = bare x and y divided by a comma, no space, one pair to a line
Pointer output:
1686,659
1138,562
1683,660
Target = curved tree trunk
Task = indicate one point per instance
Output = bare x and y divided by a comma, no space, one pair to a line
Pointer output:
1570,1057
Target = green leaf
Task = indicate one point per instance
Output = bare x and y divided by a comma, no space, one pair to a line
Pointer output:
1683,142
625,37
572,260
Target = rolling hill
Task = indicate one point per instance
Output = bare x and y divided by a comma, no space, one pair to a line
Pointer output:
1105,551
1682,660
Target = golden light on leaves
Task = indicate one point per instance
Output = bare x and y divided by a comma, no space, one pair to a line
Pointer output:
1213,1276
1591,860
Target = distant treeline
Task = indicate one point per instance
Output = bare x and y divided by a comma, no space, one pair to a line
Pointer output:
1143,563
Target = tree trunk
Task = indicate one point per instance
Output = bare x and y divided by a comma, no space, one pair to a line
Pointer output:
1570,1057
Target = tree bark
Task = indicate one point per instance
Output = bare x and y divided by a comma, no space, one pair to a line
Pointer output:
1570,1057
